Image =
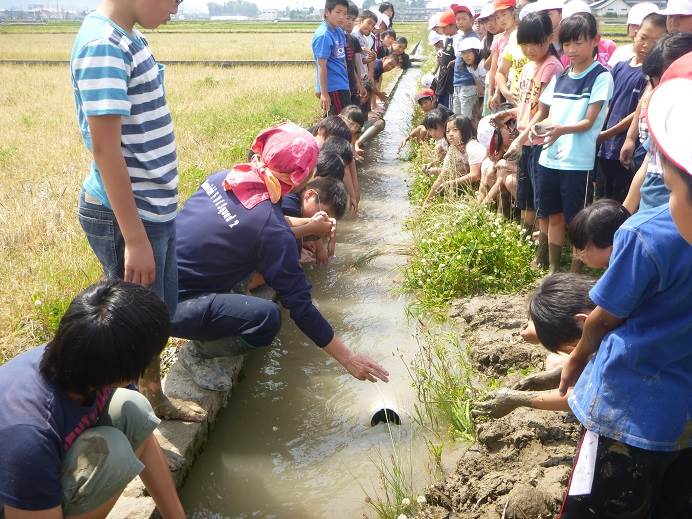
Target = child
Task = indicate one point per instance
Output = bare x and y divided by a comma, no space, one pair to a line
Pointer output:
533,37
557,311
445,60
678,16
462,163
563,176
363,32
71,436
336,160
499,179
487,17
613,179
592,229
379,67
128,203
605,47
354,60
435,123
233,226
388,38
468,76
635,17
399,48
387,9
427,101
329,50
510,63
633,364
505,17
464,19
331,126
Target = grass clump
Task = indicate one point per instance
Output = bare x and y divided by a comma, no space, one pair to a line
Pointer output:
461,249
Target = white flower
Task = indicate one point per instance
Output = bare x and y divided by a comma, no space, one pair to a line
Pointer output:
38,302
402,516
405,501
421,500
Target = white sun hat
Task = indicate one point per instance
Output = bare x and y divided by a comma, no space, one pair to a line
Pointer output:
574,7
434,38
434,21
469,44
486,11
677,7
640,11
485,131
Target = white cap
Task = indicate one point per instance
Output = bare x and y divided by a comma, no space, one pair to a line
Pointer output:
528,9
434,38
640,11
486,11
485,131
468,44
574,7
549,5
677,7
427,79
434,21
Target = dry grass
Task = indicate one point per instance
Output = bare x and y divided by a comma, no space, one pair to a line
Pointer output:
171,46
44,258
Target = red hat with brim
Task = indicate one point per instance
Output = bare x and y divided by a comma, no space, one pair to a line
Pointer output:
447,18
425,93
500,5
461,8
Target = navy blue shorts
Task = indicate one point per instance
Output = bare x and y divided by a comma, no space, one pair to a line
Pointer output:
525,194
566,192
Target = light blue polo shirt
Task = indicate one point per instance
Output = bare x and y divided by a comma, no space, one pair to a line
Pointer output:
637,389
569,96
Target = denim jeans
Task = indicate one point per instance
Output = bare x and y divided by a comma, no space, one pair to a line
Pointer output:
107,242
465,99
207,317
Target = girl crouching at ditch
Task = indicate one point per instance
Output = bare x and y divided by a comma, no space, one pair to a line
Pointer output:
71,436
462,163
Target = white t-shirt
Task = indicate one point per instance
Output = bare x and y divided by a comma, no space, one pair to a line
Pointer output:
366,42
475,152
624,53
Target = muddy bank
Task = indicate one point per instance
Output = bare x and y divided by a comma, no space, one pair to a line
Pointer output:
520,464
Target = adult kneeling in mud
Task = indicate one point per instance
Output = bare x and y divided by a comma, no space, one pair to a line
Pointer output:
71,437
232,227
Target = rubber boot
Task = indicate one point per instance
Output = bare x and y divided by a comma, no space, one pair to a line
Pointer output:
554,256
207,361
576,266
541,259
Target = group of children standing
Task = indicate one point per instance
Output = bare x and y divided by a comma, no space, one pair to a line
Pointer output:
562,116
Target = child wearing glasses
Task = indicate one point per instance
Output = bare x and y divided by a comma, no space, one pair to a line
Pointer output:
129,199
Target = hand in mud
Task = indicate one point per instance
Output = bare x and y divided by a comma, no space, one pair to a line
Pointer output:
499,403
570,372
540,381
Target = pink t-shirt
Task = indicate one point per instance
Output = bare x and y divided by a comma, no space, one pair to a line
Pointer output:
532,77
499,43
606,48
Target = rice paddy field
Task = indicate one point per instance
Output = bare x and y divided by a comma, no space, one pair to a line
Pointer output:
44,258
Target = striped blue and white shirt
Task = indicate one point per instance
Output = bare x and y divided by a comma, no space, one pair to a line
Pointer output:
114,73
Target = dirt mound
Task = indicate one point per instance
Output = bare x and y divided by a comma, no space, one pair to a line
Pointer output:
520,464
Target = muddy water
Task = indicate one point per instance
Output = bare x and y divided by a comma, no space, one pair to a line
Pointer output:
295,440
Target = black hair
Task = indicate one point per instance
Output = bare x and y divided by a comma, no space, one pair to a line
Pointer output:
402,40
535,28
109,334
674,46
435,118
329,5
554,304
353,113
388,32
368,14
340,146
404,61
657,20
330,165
332,193
653,63
352,9
465,127
686,177
579,25
597,224
476,58
334,125
487,43
387,5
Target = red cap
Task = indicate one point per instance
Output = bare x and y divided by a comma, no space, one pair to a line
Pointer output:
447,18
499,5
426,92
461,8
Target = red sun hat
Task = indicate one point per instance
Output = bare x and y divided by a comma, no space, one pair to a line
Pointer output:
447,18
500,5
462,8
669,113
426,92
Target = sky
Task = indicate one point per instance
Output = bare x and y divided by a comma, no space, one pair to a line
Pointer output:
188,5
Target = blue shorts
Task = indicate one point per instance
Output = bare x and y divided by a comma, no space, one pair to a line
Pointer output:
566,192
525,191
